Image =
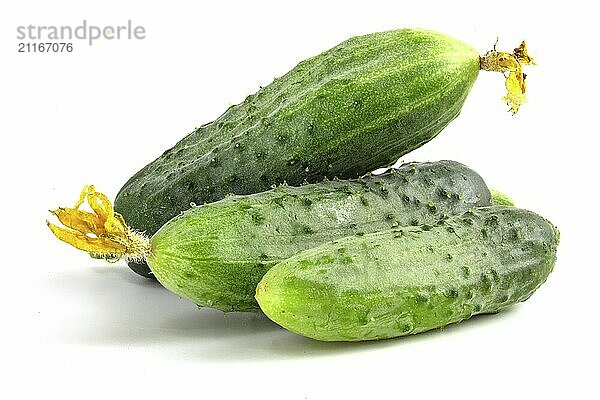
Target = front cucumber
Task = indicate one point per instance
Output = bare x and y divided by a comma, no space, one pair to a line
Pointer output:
410,280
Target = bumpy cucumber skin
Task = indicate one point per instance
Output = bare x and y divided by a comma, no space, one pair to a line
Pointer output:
216,254
410,280
354,108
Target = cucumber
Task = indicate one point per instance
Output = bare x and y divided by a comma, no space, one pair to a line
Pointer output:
216,254
500,199
352,109
410,280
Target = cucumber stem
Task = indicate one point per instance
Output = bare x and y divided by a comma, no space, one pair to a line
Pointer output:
500,61
102,233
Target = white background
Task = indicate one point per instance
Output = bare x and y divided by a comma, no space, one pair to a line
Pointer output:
74,327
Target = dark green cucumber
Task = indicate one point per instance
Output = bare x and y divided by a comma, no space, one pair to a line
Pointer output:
354,108
410,280
216,254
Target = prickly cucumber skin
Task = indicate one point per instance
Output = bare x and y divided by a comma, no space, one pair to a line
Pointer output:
216,254
354,108
411,280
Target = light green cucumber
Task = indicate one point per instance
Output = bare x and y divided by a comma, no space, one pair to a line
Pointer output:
501,199
216,254
410,280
